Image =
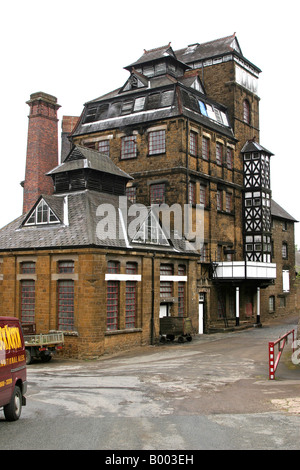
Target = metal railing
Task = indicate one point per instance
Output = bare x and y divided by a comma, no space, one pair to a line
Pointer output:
273,362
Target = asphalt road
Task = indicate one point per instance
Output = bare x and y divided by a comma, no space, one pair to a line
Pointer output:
211,393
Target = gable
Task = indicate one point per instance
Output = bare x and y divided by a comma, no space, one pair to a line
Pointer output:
197,85
41,214
134,82
150,231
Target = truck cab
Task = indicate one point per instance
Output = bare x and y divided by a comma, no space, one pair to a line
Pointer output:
13,373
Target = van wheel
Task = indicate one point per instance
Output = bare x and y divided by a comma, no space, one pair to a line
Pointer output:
12,411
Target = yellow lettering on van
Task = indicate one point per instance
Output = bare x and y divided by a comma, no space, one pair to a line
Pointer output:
3,337
10,337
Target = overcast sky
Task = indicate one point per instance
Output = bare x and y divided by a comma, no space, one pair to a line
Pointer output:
76,51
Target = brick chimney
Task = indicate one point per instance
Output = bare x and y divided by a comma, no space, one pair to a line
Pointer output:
42,147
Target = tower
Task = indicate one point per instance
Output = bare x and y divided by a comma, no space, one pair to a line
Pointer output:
257,202
42,147
231,79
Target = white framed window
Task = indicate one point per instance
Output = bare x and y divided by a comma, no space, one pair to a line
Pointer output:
285,281
42,215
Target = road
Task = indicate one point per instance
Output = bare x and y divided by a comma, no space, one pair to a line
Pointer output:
211,393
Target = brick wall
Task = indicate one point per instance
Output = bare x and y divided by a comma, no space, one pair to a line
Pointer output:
90,337
285,302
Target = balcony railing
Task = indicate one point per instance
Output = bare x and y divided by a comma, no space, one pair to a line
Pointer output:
244,270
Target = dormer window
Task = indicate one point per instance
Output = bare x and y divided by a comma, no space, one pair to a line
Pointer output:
42,215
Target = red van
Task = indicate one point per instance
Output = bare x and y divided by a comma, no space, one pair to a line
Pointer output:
13,383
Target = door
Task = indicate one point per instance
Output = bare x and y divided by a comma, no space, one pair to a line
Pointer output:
163,311
201,314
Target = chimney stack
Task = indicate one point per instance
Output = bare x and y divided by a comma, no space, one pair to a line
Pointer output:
42,147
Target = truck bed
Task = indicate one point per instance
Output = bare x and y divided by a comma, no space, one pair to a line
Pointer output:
44,339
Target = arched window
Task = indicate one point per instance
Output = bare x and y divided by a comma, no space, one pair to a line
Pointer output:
246,111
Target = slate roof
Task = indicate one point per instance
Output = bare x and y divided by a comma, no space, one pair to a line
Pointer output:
252,146
80,227
84,157
149,114
279,212
216,48
156,54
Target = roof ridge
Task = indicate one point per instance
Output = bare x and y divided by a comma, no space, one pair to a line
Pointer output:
157,48
220,39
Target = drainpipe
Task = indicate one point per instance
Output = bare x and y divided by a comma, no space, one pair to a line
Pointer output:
237,306
187,161
152,307
258,307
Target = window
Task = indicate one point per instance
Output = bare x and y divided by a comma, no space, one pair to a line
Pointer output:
130,301
127,107
157,194
113,267
139,104
228,202
192,193
166,287
204,253
285,280
282,301
203,194
42,215
65,267
104,147
272,303
219,200
27,300
28,267
181,299
284,250
193,143
131,194
229,157
246,111
219,153
112,307
205,148
157,142
128,147
66,305
284,226
131,268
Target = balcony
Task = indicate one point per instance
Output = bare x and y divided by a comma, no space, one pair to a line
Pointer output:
230,270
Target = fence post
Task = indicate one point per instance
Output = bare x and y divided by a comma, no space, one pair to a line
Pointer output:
271,361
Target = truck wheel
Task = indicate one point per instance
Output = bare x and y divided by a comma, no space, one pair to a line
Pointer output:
12,411
45,358
28,357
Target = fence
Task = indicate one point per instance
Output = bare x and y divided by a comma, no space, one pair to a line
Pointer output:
273,362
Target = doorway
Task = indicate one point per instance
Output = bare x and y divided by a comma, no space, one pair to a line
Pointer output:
201,313
163,310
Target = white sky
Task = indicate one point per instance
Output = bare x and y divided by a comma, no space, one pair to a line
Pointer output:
76,51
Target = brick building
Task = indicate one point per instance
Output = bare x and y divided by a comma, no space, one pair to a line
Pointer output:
183,130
